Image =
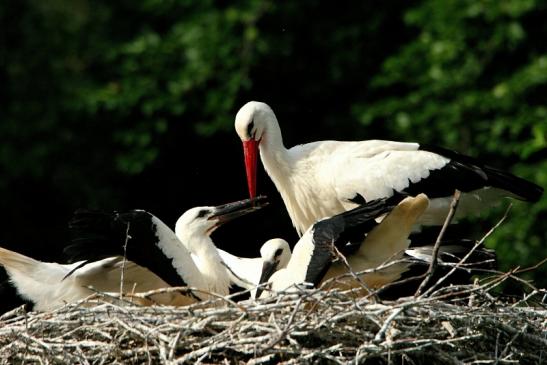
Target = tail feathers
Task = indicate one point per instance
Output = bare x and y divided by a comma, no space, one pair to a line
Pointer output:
523,189
13,261
34,280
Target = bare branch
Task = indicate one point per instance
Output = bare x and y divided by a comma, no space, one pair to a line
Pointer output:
435,253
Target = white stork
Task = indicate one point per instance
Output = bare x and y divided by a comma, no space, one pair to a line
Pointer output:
186,257
324,178
49,285
365,243
249,272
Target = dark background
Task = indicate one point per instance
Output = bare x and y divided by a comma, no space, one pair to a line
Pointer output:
121,105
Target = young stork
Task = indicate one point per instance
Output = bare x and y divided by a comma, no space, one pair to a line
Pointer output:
365,243
324,178
250,272
186,257
49,285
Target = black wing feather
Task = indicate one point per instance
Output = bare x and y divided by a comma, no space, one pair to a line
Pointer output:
466,173
96,235
346,231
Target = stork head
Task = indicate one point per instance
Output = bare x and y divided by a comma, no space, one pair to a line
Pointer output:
252,120
276,255
204,220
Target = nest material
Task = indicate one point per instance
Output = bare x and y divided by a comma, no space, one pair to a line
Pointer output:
450,325
454,325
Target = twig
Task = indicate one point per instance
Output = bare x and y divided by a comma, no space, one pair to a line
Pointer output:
466,257
342,258
435,253
124,258
381,333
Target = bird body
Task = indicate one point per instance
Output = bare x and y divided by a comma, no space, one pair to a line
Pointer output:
247,272
49,285
386,242
186,257
373,238
313,258
191,231
324,178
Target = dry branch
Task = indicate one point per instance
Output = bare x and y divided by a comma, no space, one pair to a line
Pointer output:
316,326
435,253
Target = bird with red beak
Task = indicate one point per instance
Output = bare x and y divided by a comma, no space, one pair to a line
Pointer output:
254,138
323,178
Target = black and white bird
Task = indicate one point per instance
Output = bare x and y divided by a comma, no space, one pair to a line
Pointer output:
247,273
365,243
48,285
324,178
186,257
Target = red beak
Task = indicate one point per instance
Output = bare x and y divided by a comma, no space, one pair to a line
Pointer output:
250,150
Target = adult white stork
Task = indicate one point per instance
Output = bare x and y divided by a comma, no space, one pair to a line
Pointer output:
249,272
49,285
321,179
365,243
186,257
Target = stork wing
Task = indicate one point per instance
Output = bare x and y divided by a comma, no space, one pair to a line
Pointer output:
367,170
363,171
345,231
390,237
137,234
105,275
43,282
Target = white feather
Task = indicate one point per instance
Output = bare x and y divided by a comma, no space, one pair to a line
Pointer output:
246,272
318,179
44,283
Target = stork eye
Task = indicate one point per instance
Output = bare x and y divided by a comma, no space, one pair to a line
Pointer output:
250,129
202,213
278,252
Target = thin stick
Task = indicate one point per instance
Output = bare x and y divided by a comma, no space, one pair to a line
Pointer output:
381,333
435,253
353,274
477,245
124,258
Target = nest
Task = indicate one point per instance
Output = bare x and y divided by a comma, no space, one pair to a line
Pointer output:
444,325
452,325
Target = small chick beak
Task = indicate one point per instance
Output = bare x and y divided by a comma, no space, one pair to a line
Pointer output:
250,151
268,268
227,212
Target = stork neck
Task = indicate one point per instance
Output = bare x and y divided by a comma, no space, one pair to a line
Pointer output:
209,264
273,153
202,247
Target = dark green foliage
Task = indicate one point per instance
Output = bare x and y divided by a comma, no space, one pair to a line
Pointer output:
474,79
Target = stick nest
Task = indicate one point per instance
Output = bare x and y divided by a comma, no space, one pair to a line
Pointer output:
463,324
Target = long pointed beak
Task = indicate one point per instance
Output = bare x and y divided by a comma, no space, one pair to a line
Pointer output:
227,212
250,150
268,268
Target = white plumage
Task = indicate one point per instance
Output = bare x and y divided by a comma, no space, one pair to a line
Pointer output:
186,257
248,272
47,285
313,261
321,179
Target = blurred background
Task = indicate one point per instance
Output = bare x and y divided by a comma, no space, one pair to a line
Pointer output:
130,104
